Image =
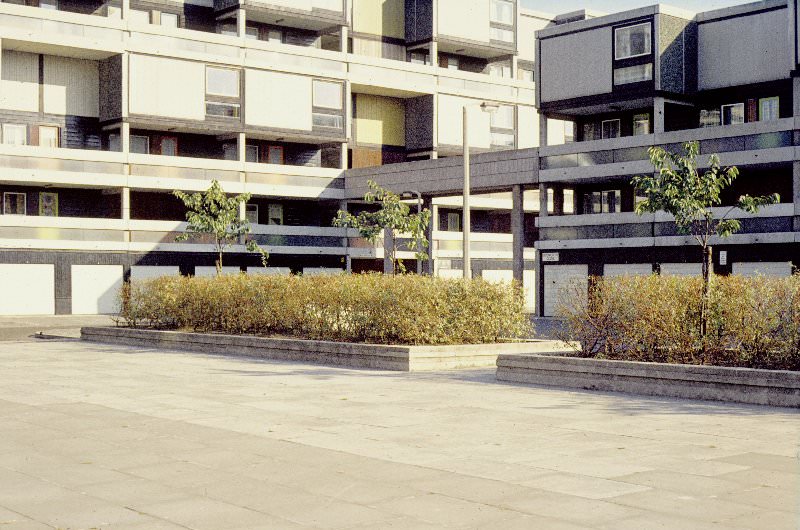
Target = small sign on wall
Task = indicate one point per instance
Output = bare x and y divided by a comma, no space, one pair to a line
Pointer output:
723,257
550,257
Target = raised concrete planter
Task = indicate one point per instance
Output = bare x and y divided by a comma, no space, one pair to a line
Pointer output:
739,385
374,356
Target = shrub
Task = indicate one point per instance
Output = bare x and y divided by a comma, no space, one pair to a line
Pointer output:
753,322
372,308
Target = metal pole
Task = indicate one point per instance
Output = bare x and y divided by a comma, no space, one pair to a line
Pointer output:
419,244
465,215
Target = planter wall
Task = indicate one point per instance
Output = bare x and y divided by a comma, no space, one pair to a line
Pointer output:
373,356
740,385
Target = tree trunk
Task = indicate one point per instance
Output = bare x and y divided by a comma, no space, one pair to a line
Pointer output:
219,262
708,267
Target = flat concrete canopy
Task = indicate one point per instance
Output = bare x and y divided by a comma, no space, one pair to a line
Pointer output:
109,437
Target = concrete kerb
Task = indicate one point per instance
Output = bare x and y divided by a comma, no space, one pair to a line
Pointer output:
738,385
371,356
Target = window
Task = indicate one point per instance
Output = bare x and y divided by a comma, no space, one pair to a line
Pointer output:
525,74
710,118
453,222
251,154
251,213
502,11
503,117
569,201
500,34
502,139
14,134
140,144
275,214
14,203
275,154
633,74
228,29
732,114
169,146
48,204
453,63
641,124
48,4
230,152
611,129
114,143
500,70
327,95
169,20
48,136
603,202
251,32
275,35
137,16
768,109
222,110
331,121
632,41
114,12
222,82
419,58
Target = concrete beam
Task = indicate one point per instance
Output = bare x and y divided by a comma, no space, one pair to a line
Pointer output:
518,231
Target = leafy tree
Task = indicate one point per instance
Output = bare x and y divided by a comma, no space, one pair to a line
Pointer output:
678,188
394,216
213,213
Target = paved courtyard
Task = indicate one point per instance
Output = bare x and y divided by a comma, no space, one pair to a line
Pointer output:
95,436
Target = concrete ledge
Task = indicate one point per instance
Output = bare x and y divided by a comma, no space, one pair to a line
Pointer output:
738,385
373,356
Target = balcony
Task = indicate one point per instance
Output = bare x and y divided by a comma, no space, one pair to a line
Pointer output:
314,15
744,144
772,224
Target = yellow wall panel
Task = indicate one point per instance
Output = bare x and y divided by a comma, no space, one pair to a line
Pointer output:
380,120
380,17
19,81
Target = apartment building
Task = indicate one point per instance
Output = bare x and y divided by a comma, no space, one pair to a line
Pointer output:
108,106
654,76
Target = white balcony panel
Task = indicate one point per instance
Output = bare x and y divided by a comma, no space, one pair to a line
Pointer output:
95,289
270,271
71,86
167,87
681,269
498,276
278,100
293,4
563,283
149,272
528,127
321,271
19,81
614,270
210,272
27,289
464,19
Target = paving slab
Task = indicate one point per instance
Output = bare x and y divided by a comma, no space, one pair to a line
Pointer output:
117,437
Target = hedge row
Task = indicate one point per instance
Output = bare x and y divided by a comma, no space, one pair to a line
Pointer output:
753,322
371,308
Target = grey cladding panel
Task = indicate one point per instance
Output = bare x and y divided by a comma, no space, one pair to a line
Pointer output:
576,65
672,49
744,50
419,123
419,20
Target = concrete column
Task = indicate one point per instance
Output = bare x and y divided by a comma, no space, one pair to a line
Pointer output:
542,130
539,286
126,204
125,82
543,210
344,158
518,231
796,99
346,241
514,66
658,115
126,9
434,53
344,35
241,23
388,239
796,193
427,202
241,147
348,111
125,137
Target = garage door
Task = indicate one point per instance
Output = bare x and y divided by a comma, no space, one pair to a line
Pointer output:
779,269
627,269
269,270
146,272
319,271
496,276
207,272
95,289
27,289
450,274
681,269
564,281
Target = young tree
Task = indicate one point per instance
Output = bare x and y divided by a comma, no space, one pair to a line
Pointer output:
215,214
678,188
393,216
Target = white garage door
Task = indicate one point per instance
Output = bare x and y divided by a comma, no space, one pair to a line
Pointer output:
319,271
27,289
145,272
95,289
269,270
450,274
627,269
564,281
681,269
207,272
779,269
498,276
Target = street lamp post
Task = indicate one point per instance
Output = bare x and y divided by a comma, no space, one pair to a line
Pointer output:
409,195
465,213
